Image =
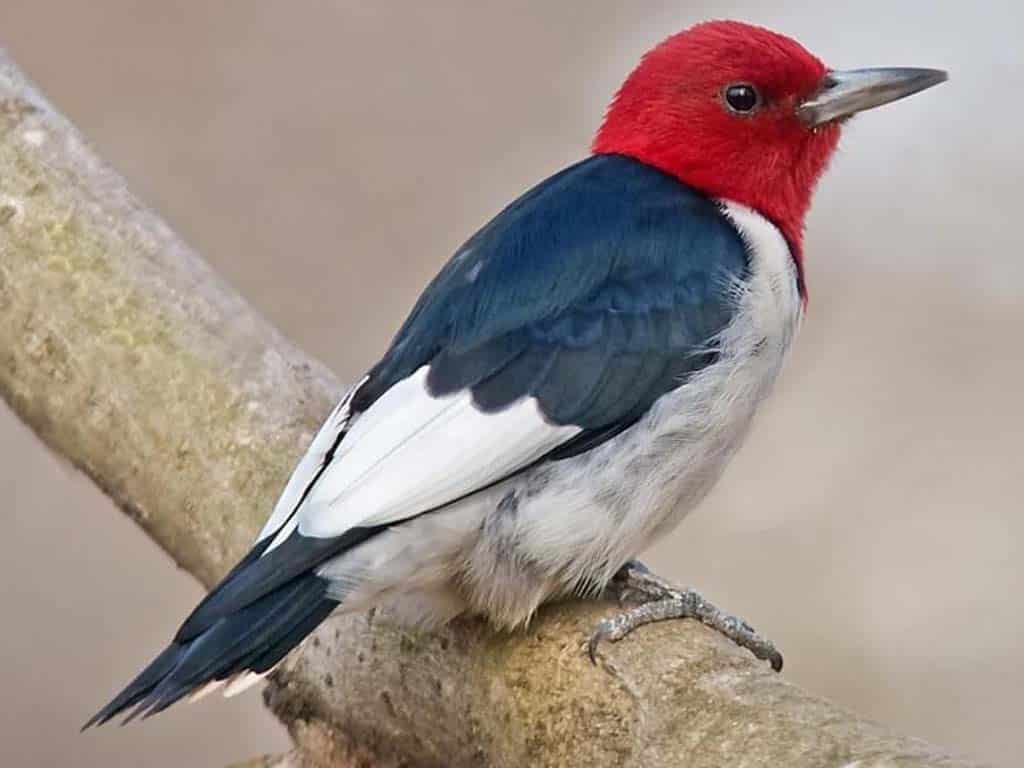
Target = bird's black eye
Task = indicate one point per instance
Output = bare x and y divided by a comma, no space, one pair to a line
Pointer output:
742,98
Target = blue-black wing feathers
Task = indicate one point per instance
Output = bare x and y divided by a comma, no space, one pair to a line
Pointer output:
597,292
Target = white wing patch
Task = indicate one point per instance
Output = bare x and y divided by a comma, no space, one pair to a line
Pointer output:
411,452
309,464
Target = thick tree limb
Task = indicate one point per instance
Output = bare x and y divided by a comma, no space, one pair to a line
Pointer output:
125,354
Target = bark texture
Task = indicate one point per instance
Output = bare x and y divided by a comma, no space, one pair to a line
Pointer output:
128,356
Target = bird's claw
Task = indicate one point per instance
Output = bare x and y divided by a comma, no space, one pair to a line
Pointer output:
657,600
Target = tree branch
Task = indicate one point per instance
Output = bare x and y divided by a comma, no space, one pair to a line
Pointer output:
128,356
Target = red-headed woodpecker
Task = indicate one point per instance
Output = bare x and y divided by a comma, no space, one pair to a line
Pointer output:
569,386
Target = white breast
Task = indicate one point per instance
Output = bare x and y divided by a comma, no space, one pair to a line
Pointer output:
771,304
581,518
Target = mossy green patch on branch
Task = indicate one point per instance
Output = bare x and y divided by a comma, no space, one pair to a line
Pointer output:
132,391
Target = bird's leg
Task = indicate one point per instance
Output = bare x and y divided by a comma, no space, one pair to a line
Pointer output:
654,599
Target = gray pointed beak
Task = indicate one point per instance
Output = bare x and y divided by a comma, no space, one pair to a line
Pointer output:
844,93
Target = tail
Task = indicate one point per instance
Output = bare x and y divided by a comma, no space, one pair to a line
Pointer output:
251,640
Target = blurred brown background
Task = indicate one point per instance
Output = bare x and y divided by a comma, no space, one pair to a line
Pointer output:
328,156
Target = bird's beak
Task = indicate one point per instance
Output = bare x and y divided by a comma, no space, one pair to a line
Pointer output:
844,93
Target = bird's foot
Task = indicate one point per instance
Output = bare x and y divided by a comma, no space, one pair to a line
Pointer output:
657,600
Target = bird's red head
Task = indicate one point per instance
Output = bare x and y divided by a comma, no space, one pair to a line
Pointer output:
745,114
717,107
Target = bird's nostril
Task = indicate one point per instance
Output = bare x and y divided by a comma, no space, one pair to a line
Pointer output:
830,82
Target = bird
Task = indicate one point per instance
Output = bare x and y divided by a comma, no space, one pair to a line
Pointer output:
568,387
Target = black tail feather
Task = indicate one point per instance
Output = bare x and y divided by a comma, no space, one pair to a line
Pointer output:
137,689
254,638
